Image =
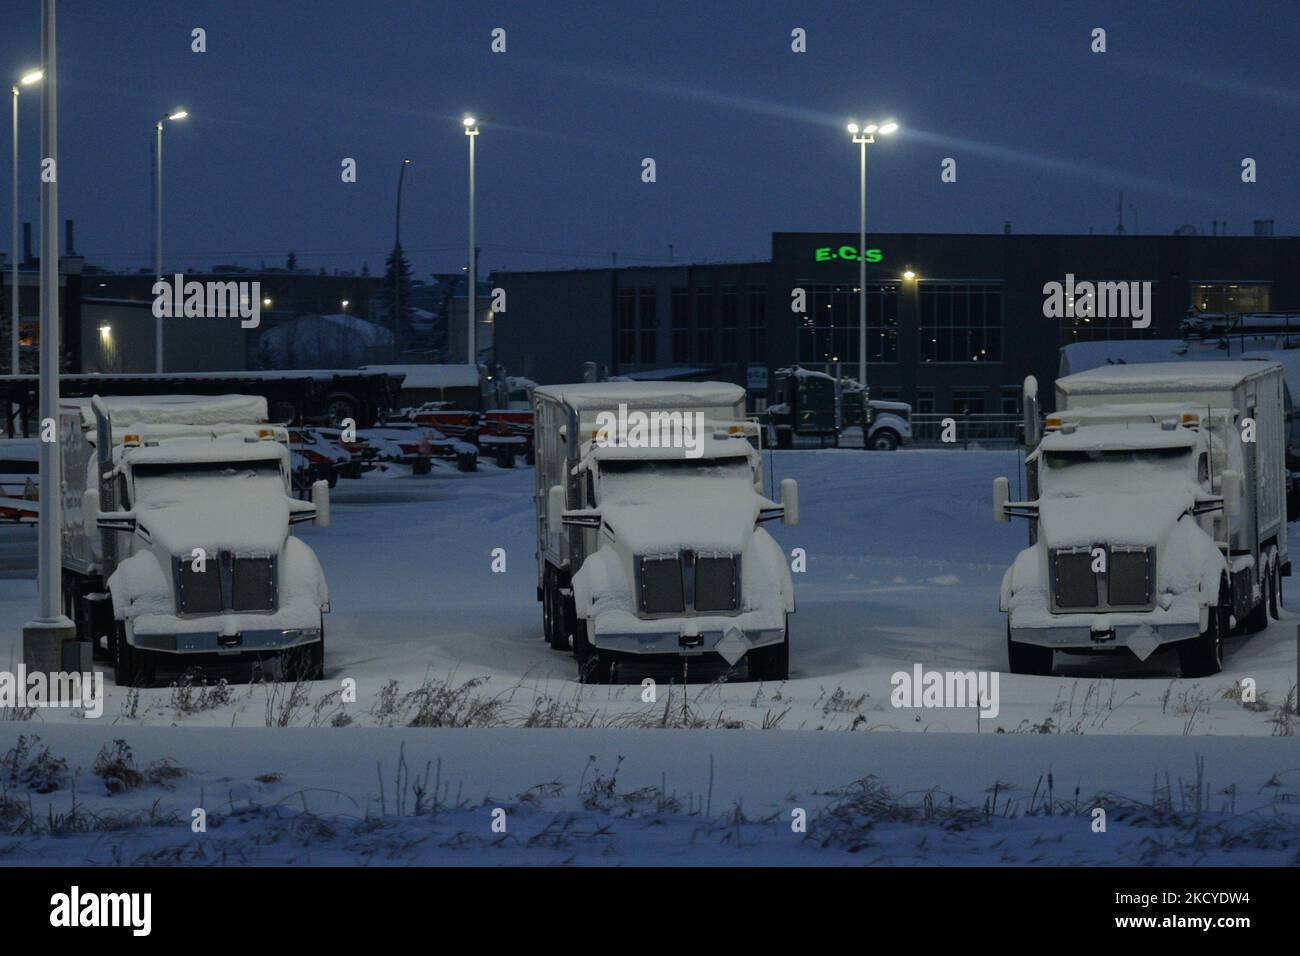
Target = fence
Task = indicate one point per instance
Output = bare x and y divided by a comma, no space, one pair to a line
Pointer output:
986,431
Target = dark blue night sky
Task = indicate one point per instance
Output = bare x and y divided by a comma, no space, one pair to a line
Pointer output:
748,137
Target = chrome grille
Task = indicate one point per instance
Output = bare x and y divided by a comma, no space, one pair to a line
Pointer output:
1073,580
252,582
660,585
198,592
716,586
1128,578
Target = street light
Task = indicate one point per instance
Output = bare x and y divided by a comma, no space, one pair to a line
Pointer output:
27,79
864,136
397,261
173,116
471,130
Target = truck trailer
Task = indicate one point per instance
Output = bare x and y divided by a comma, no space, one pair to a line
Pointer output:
177,538
649,503
1157,514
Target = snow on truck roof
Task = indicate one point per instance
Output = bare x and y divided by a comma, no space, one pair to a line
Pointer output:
607,395
1164,376
430,376
174,409
1144,436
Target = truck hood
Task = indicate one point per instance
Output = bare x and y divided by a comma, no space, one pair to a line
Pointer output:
1137,519
661,522
257,524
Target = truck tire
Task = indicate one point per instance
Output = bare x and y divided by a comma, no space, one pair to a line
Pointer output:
1028,658
593,666
1257,619
466,461
506,456
1203,656
885,439
1275,591
132,667
339,406
530,455
771,663
306,663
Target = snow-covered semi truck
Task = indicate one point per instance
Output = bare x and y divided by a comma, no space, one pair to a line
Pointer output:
177,541
1157,509
649,547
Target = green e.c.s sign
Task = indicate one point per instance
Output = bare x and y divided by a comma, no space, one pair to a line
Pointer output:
827,253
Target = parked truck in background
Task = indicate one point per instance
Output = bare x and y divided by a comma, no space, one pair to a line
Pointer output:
1157,510
177,536
654,554
808,404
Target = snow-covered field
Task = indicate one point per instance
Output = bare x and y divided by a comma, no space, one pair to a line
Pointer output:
903,566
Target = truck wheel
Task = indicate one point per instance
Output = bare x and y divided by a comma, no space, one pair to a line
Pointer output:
1203,656
132,667
593,666
530,455
466,461
1257,619
1275,591
1028,658
771,663
883,440
505,457
306,663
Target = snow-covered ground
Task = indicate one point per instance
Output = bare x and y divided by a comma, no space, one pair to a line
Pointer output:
903,566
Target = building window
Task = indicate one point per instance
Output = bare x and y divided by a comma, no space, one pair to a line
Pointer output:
887,394
968,401
757,324
1103,314
704,325
960,322
681,331
626,326
830,329
1219,297
730,325
925,401
649,326
1010,400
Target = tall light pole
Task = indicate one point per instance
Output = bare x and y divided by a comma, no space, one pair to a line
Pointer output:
864,136
471,130
27,79
44,637
157,226
397,261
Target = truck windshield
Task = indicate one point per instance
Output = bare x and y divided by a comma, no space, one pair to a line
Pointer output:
630,480
1076,472
165,484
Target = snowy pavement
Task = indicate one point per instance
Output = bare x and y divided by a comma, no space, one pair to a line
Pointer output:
903,567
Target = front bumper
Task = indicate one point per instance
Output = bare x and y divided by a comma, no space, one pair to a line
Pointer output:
209,642
1103,636
681,641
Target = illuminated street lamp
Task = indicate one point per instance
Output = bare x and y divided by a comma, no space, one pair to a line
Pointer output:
173,116
27,79
471,130
864,136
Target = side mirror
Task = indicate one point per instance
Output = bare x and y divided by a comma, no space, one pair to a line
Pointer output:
555,509
1001,494
790,501
1231,487
320,497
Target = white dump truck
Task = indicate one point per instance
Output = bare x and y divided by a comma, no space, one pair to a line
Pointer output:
1157,508
177,541
649,501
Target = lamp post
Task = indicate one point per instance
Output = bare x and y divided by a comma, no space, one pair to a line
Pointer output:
46,636
471,130
27,79
397,261
157,225
864,136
